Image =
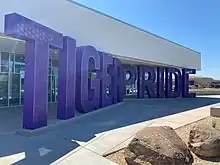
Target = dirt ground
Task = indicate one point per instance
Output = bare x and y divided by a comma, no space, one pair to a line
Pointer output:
183,132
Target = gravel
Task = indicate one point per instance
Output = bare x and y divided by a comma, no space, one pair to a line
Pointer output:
183,132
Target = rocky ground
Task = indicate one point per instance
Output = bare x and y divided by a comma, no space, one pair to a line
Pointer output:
183,132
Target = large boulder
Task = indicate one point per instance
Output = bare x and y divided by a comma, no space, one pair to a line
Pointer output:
157,146
216,122
204,141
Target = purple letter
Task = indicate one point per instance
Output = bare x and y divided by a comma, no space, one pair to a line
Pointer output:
146,84
106,80
170,93
185,83
38,39
132,70
87,88
160,82
118,81
67,79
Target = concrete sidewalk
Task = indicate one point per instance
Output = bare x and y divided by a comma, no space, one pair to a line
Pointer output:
117,139
84,140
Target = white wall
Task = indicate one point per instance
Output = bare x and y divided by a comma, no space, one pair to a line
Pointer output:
105,33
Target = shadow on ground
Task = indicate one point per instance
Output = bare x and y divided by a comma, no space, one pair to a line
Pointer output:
216,159
63,138
131,112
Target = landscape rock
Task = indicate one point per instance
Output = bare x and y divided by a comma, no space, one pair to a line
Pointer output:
216,122
157,146
204,141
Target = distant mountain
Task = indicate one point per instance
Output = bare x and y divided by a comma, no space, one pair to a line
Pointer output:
203,81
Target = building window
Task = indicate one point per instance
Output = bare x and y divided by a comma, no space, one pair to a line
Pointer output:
22,87
19,63
53,76
4,62
16,79
12,63
14,89
3,89
127,76
12,78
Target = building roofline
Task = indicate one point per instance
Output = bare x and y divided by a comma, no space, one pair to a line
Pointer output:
133,26
4,36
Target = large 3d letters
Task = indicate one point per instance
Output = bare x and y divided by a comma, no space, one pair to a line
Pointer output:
186,83
88,79
87,88
38,39
160,82
106,74
170,93
118,81
67,79
132,70
148,84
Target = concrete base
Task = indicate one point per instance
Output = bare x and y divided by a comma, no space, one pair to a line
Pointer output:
215,111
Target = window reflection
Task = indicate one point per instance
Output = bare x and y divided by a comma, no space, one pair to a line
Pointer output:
11,63
3,89
14,90
16,79
19,63
53,76
22,87
12,78
4,61
49,89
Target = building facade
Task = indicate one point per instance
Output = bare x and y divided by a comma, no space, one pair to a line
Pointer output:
83,60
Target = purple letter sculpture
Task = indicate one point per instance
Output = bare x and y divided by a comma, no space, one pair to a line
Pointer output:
146,84
118,81
185,83
106,74
170,93
84,75
38,39
87,88
160,82
132,70
67,79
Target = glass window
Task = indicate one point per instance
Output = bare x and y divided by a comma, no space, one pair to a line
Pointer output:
49,89
4,58
56,78
127,76
11,63
3,89
54,67
50,66
19,63
4,61
92,74
53,76
53,89
14,90
4,69
146,75
22,87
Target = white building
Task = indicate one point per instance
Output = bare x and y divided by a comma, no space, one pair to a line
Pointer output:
130,44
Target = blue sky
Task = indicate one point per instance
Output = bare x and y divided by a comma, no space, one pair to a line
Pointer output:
192,23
